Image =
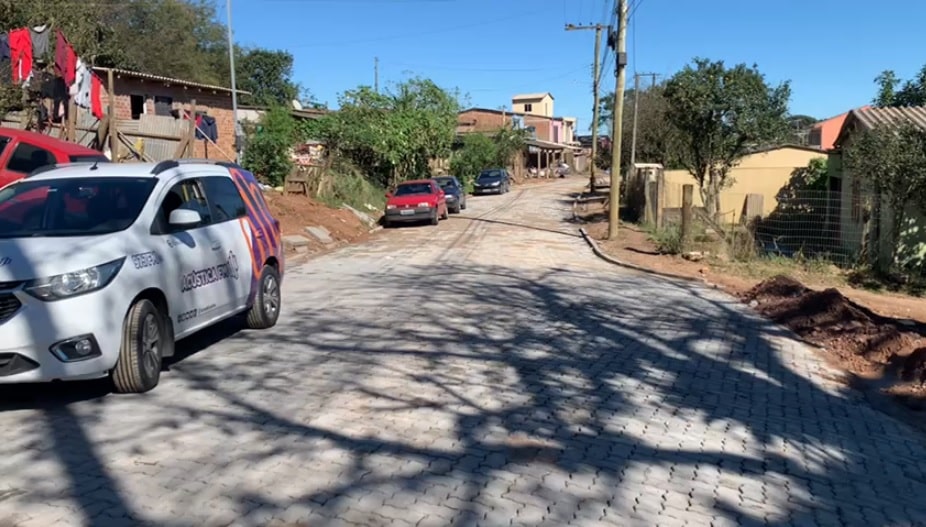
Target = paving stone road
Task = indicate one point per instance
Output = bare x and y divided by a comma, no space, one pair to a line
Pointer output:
488,371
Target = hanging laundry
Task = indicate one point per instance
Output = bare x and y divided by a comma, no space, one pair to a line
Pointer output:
59,99
39,36
96,96
20,54
206,128
5,58
65,59
5,46
80,89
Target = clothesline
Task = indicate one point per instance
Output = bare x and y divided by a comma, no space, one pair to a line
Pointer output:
74,80
27,49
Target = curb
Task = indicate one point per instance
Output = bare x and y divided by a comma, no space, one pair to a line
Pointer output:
614,261
610,259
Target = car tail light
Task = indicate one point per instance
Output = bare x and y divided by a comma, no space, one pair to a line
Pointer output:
425,204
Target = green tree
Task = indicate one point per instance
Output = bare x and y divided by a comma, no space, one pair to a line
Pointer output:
267,75
891,161
269,151
894,92
721,113
391,136
481,151
657,138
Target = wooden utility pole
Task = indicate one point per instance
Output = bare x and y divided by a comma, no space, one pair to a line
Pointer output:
636,100
596,91
619,44
376,74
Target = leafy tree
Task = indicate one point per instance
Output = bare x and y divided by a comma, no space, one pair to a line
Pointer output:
267,74
721,113
482,151
891,161
391,136
893,92
174,38
269,152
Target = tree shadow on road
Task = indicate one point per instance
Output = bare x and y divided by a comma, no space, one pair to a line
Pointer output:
542,398
565,397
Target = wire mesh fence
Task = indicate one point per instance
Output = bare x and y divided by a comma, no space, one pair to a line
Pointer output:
792,223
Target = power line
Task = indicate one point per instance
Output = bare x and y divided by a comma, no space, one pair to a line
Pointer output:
403,36
560,76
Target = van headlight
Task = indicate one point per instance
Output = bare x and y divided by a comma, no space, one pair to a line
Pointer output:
69,285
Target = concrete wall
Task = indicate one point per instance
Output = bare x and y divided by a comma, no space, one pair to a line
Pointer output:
763,173
216,103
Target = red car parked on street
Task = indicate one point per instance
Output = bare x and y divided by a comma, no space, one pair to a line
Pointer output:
22,151
420,200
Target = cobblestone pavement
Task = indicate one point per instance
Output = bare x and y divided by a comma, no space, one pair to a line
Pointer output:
488,371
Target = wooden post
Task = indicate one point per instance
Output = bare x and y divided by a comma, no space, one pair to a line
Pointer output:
649,203
72,121
111,110
660,198
192,127
687,203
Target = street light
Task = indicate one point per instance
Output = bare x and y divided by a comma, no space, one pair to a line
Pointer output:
234,87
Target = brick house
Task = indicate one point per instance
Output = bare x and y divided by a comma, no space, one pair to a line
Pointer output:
140,94
486,120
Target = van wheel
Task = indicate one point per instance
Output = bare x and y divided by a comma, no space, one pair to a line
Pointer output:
265,311
145,337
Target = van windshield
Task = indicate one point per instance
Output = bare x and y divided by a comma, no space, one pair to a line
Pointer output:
72,206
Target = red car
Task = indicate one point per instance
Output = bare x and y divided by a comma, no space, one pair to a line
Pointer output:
21,152
420,200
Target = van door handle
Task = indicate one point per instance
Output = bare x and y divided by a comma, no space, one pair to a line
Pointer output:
216,246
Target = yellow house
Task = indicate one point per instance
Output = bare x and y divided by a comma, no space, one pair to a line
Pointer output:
764,172
533,104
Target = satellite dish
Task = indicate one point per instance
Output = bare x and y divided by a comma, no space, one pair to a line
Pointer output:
297,105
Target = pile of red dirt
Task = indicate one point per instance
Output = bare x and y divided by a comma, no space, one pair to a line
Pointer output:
859,340
297,211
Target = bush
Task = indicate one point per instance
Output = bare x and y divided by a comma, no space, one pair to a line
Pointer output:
346,184
668,240
269,151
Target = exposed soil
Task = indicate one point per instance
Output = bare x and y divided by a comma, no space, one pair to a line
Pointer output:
297,211
862,342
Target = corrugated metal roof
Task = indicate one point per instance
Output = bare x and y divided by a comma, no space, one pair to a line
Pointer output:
167,80
523,96
872,117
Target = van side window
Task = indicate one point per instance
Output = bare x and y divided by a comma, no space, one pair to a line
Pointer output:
224,199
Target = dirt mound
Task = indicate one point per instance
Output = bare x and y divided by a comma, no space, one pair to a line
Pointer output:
913,368
860,340
778,287
297,211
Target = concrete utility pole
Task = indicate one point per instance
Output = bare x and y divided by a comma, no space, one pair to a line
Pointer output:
619,44
636,105
595,89
234,87
376,74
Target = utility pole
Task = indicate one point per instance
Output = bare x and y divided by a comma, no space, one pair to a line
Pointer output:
376,74
596,91
234,87
636,99
619,44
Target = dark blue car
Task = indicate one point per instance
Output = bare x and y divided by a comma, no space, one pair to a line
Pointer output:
456,197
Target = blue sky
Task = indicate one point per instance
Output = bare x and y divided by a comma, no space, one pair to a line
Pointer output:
830,50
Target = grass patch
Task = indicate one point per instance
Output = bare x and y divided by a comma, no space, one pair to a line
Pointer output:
346,184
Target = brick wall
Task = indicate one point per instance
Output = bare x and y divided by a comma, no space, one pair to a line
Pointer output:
543,126
217,104
481,121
